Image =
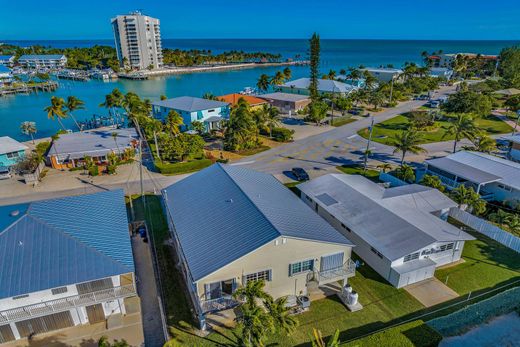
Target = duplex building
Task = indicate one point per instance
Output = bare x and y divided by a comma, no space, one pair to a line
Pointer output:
138,41
399,232
11,151
447,59
383,74
67,263
492,177
301,86
231,225
69,150
209,112
7,60
287,102
443,72
49,61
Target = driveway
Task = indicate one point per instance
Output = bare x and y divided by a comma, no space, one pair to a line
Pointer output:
147,290
431,292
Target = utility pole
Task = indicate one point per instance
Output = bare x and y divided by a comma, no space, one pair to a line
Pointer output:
368,146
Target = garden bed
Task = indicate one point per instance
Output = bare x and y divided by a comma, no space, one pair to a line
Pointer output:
356,169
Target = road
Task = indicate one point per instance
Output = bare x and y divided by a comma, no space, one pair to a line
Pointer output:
339,146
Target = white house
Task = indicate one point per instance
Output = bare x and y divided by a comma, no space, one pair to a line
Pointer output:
441,72
50,61
209,112
383,74
232,225
301,86
66,263
399,232
7,60
492,177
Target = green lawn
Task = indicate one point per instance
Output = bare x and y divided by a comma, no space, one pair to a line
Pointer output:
182,167
355,169
248,152
487,264
340,121
384,132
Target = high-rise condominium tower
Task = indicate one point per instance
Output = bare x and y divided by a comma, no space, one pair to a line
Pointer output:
138,39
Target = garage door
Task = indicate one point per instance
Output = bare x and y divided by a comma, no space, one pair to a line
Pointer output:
6,334
44,324
95,313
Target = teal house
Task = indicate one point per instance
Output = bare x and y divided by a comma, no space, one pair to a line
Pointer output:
209,112
11,151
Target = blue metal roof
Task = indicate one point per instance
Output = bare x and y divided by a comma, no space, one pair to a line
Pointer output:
190,104
6,57
225,212
41,57
64,241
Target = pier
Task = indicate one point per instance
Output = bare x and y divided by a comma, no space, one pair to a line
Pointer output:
49,86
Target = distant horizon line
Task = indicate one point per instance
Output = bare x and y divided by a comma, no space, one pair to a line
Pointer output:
275,39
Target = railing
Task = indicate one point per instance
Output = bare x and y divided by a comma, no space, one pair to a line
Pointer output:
64,304
218,304
348,269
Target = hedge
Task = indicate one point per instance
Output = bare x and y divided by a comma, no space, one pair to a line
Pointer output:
282,134
182,167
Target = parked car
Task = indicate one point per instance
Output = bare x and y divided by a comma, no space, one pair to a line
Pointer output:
355,111
300,174
4,173
434,104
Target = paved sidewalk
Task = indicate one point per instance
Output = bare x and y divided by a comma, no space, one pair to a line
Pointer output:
431,292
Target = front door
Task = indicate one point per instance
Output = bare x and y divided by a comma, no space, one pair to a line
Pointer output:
331,262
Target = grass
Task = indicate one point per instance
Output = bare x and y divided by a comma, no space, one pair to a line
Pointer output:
487,264
355,169
384,132
182,167
343,120
411,334
248,152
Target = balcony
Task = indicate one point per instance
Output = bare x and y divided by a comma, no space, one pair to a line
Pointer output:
323,277
67,303
214,305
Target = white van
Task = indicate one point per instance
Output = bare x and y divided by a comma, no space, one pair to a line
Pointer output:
4,173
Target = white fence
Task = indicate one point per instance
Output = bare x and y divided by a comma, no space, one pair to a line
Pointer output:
488,229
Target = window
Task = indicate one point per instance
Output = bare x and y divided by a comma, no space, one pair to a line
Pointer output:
412,256
209,111
379,254
59,290
449,246
12,155
302,266
261,275
20,296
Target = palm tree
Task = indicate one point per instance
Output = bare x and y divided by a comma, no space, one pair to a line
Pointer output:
485,144
209,96
277,79
513,223
28,128
73,104
331,75
467,196
354,74
406,173
433,182
56,110
252,291
173,123
270,115
263,82
198,126
461,126
114,136
385,167
317,339
500,217
287,73
280,314
255,324
408,141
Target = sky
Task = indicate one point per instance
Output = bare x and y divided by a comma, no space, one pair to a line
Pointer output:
332,19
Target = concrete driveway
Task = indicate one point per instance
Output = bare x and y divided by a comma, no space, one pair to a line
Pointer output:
431,292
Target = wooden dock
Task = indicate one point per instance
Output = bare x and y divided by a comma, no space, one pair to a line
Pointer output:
49,86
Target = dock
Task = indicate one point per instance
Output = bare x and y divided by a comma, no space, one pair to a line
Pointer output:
49,86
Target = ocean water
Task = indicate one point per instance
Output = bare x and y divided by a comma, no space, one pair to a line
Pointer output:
335,54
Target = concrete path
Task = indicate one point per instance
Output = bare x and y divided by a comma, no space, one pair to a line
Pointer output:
431,292
147,290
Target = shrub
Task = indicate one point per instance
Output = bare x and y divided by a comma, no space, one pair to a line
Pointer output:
282,134
111,169
93,170
42,148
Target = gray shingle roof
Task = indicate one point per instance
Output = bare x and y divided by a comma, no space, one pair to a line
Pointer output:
92,143
480,168
284,97
395,221
225,212
190,104
330,86
64,241
8,145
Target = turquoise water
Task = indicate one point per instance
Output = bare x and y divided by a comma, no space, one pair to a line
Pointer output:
336,54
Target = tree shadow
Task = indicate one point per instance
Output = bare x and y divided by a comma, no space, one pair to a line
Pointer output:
48,341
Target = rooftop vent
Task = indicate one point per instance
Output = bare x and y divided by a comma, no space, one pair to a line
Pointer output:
14,213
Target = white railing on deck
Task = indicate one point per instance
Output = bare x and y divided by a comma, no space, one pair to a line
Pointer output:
218,304
64,304
348,269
